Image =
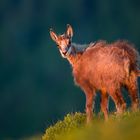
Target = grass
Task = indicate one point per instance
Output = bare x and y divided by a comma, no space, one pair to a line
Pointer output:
124,127
70,122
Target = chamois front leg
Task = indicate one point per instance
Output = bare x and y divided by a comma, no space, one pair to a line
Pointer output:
89,107
90,94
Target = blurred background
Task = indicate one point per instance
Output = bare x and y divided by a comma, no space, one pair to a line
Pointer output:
36,84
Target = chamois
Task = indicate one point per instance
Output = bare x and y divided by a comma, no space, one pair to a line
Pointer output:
103,67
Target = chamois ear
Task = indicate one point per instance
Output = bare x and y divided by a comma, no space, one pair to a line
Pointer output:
69,31
53,35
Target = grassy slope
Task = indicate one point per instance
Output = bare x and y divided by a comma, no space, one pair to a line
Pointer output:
125,127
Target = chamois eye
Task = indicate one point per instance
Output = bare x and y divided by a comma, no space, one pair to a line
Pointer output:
58,45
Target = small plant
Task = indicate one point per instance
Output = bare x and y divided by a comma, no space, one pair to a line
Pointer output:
70,122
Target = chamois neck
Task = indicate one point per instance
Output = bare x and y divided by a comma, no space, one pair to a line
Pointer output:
74,59
79,48
75,52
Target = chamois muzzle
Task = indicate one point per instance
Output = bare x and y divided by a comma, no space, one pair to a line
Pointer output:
67,50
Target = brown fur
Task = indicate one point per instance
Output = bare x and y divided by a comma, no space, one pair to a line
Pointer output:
104,67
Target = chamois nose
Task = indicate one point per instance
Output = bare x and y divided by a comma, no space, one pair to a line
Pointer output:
65,50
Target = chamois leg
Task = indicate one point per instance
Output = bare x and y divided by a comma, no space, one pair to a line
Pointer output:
117,101
134,98
132,87
123,104
89,102
104,103
89,106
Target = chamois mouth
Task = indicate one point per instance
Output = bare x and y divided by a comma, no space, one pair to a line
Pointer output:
65,53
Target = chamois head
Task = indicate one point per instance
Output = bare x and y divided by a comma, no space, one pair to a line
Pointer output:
63,41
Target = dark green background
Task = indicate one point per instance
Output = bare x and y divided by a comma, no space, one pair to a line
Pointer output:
36,84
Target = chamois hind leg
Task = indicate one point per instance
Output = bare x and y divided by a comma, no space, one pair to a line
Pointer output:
132,87
104,104
89,102
123,104
117,101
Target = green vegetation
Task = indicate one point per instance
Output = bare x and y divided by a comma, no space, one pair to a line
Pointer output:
70,122
124,127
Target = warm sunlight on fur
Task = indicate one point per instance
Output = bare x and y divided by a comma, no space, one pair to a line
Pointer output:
104,67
